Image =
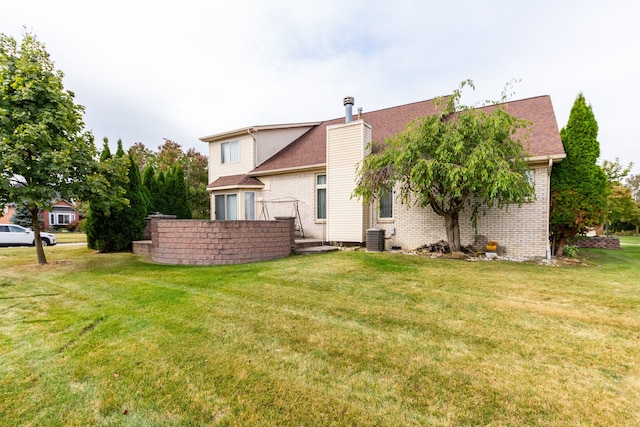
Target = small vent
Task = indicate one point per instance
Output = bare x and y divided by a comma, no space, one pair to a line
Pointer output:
375,240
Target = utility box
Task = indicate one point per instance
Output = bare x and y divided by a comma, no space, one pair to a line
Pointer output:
375,239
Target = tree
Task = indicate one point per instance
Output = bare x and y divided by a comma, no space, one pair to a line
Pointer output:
176,194
195,167
457,157
22,216
102,226
114,229
143,156
578,185
619,201
45,153
633,182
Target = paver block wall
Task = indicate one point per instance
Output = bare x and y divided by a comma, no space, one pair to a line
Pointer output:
202,242
596,242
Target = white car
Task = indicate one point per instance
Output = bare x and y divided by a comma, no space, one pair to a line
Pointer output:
14,235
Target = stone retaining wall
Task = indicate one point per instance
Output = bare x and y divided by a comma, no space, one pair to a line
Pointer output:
596,242
201,242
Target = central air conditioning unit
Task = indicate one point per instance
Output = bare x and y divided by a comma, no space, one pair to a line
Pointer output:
375,240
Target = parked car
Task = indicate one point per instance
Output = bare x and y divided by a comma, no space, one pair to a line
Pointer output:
15,235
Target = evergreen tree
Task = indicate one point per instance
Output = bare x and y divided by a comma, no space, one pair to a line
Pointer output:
159,194
103,225
176,193
106,153
147,184
23,217
120,152
129,222
578,184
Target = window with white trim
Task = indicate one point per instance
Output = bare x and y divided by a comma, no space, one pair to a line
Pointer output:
230,152
321,197
249,205
226,207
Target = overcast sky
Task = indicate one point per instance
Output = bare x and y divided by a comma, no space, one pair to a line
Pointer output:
148,70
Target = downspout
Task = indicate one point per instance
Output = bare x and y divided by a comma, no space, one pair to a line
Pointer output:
255,148
549,167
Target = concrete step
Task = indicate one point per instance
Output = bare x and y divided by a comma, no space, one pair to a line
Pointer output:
309,250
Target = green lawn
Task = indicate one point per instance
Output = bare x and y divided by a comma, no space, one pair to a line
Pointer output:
70,237
347,338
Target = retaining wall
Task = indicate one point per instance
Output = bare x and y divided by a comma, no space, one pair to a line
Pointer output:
596,242
201,242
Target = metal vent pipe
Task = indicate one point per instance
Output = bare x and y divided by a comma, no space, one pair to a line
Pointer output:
348,107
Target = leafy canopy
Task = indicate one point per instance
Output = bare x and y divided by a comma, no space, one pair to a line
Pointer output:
460,156
578,185
45,153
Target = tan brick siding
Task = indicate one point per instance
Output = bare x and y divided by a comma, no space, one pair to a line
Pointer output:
278,200
520,231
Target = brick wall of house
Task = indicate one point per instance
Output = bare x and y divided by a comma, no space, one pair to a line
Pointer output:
278,194
519,231
201,242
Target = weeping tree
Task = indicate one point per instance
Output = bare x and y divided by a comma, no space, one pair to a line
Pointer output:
460,157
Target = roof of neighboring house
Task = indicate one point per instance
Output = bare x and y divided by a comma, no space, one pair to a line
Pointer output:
310,149
235,181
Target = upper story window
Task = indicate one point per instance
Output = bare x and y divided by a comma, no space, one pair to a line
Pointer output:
230,152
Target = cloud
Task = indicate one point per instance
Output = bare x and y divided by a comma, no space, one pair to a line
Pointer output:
150,70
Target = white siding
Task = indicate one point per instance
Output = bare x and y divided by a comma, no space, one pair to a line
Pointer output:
245,165
270,142
345,149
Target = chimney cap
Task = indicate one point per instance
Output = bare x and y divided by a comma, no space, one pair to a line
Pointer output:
349,100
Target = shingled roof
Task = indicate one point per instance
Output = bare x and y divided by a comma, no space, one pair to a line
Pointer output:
310,149
235,181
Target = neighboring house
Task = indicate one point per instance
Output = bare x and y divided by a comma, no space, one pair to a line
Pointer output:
308,170
7,213
61,214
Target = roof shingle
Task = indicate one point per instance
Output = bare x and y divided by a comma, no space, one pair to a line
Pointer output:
310,148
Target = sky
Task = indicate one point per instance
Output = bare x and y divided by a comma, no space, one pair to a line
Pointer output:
182,70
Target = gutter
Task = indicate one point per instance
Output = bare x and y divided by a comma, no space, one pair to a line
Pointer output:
286,170
555,158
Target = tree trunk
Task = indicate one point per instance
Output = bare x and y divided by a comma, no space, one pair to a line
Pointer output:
559,249
453,231
36,236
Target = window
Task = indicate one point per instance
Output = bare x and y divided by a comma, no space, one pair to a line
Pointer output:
226,206
62,218
230,152
321,196
249,205
386,205
528,175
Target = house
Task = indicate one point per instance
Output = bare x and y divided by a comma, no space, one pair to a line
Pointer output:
7,213
61,214
308,171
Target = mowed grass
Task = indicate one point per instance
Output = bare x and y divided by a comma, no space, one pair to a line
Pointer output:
70,237
348,338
